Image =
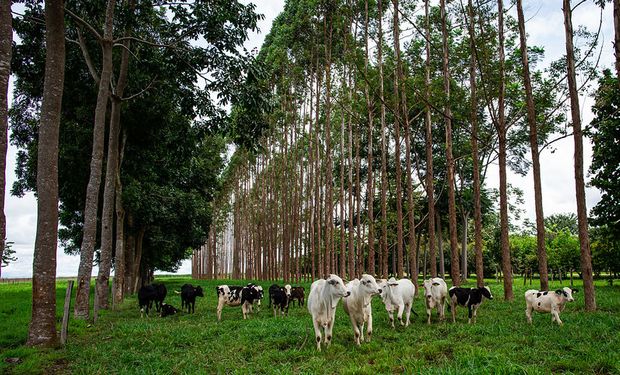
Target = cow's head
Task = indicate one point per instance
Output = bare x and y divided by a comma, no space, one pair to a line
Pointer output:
223,290
287,290
486,291
198,291
369,284
336,285
567,293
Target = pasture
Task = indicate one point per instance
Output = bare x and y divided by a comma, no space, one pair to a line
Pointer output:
501,342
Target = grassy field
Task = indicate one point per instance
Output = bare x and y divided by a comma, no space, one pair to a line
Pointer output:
501,342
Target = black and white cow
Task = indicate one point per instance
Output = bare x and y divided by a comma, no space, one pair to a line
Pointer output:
167,310
233,295
545,301
279,299
188,296
298,293
468,297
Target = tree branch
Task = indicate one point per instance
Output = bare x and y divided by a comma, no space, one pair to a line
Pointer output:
85,24
87,59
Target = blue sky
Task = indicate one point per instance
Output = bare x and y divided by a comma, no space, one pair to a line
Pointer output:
545,28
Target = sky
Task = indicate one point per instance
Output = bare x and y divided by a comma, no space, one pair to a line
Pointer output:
544,25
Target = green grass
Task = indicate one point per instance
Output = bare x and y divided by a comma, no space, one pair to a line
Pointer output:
501,342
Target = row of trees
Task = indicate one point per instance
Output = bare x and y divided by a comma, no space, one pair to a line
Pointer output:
379,145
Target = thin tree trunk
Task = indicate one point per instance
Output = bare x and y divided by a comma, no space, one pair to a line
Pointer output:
503,195
42,329
464,247
398,118
531,118
617,36
582,211
6,40
442,262
329,206
89,238
384,245
370,186
454,251
119,257
430,189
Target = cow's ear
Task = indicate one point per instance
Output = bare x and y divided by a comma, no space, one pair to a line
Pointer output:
575,290
435,284
559,292
392,284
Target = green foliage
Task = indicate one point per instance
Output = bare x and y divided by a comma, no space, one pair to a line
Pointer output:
7,254
500,342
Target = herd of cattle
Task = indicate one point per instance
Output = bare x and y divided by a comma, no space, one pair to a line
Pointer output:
396,295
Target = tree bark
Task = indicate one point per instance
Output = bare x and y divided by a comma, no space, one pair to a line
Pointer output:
442,261
370,186
454,250
329,206
582,211
89,238
531,118
42,329
430,188
503,195
474,150
617,36
383,256
398,119
6,39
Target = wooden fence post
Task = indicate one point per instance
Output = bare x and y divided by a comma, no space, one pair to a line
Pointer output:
65,316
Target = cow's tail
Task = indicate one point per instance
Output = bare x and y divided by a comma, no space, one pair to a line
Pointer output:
177,292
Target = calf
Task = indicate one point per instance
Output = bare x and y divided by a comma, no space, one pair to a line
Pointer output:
357,305
188,296
397,295
279,299
232,295
435,293
322,301
552,302
167,310
298,293
470,297
146,295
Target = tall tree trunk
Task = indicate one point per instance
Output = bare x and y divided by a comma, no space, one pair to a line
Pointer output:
503,195
464,247
473,118
112,168
343,269
370,186
384,245
398,119
531,118
442,261
329,181
454,247
582,211
119,257
89,238
430,188
42,329
6,39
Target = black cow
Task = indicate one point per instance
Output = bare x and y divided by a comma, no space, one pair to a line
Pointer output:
146,295
161,292
298,293
279,299
188,296
167,310
470,297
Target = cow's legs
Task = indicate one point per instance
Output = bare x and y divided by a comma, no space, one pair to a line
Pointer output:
470,312
528,313
220,306
391,315
475,313
556,315
317,334
328,332
369,328
428,315
442,310
401,308
356,332
407,313
453,308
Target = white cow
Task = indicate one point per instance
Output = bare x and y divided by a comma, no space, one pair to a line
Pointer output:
552,302
322,301
397,295
357,305
435,293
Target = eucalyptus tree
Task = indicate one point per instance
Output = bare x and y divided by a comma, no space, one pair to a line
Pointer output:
42,329
6,38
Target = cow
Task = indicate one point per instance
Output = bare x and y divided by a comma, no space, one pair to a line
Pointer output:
322,301
146,295
261,293
468,297
435,295
161,292
167,310
397,295
545,301
275,287
279,298
188,296
298,293
232,295
358,307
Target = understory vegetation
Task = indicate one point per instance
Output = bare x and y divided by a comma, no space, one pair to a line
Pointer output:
501,341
